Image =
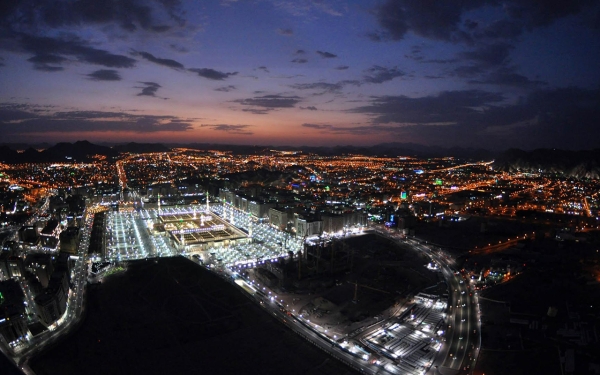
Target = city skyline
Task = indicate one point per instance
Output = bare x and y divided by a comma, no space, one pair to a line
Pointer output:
493,74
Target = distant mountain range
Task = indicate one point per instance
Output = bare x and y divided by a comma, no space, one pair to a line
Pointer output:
580,164
83,150
382,149
80,151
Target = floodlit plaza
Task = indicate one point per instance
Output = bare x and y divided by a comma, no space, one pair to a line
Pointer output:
222,235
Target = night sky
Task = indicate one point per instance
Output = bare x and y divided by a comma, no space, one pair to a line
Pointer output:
474,73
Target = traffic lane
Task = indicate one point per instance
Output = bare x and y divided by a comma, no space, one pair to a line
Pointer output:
451,347
293,323
463,345
458,340
465,321
452,334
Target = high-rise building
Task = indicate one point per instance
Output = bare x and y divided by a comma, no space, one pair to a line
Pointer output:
52,303
13,321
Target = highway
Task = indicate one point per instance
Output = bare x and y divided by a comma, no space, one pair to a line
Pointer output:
463,337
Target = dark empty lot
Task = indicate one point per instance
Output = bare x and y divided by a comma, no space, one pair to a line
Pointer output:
172,316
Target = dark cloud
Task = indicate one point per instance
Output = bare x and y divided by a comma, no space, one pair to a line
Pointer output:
129,15
263,68
440,61
46,59
212,74
317,126
178,48
310,108
300,52
508,77
448,106
379,74
47,68
12,112
300,61
487,63
256,111
375,37
57,48
149,89
430,19
23,120
470,24
226,88
265,103
286,32
104,75
417,54
165,62
534,13
161,28
326,55
306,8
501,30
489,55
353,130
443,20
342,67
325,87
322,86
233,129
544,118
468,71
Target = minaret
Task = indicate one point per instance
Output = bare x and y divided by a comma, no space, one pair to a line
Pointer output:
232,220
194,212
207,203
250,229
182,241
158,203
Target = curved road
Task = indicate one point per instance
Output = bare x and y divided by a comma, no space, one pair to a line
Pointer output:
463,339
